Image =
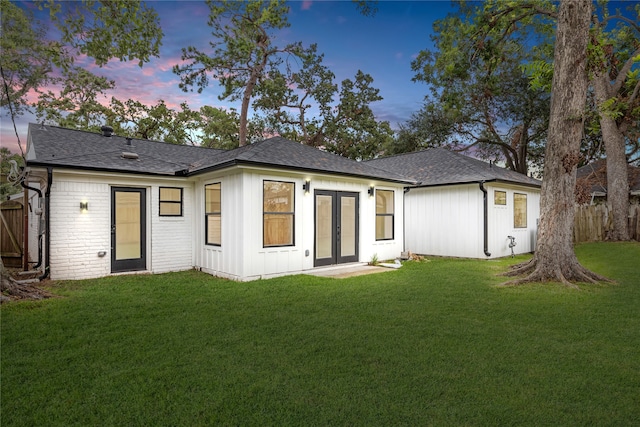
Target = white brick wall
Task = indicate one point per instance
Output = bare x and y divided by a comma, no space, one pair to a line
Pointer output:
77,238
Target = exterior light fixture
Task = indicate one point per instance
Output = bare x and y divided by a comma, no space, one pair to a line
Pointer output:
307,186
84,206
370,191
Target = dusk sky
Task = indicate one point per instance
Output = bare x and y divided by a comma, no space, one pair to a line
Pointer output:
382,46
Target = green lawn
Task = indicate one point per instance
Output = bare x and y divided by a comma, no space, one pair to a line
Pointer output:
434,343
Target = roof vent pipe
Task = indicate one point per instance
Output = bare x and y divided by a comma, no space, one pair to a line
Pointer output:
128,140
106,131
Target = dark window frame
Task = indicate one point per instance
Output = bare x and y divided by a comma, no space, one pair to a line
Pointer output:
212,214
170,202
291,213
392,215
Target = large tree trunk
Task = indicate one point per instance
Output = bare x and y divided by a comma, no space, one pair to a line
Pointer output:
617,174
555,259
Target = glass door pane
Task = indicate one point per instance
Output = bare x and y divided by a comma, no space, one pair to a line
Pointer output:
347,226
127,225
324,226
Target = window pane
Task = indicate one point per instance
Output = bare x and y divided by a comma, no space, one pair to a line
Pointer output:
500,198
127,222
384,227
214,230
278,229
170,194
212,198
520,210
384,202
278,196
170,208
324,226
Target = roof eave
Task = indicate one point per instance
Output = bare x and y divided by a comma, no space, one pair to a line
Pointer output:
477,181
98,169
238,162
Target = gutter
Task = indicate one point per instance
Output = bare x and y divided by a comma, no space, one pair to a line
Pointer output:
485,219
47,231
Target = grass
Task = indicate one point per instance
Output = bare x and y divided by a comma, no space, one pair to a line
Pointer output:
433,343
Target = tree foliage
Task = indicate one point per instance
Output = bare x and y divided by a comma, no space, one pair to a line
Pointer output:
7,187
77,105
480,96
243,36
123,29
102,30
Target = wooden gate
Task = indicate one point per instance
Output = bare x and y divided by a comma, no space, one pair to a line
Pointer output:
11,233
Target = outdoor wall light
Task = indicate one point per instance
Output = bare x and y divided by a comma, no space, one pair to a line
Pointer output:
370,191
307,186
84,206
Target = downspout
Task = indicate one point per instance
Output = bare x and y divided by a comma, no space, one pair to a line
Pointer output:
485,219
47,222
37,190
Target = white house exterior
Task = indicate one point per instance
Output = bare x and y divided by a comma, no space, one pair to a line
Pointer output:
119,206
464,207
449,220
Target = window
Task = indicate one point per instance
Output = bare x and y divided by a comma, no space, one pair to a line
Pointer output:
212,213
384,215
278,213
170,201
519,210
500,197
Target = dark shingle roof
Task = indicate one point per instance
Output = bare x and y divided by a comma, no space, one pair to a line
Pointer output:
55,146
439,166
281,152
596,175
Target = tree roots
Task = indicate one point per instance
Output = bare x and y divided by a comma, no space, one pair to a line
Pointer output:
568,275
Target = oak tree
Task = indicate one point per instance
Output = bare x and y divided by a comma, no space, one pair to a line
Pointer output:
554,258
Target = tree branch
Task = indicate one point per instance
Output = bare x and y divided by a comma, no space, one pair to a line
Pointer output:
622,75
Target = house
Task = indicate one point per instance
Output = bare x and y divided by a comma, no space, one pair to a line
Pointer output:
113,205
592,183
109,205
464,207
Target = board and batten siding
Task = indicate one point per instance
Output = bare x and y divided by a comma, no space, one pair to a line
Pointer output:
444,221
449,221
225,260
501,221
77,238
242,255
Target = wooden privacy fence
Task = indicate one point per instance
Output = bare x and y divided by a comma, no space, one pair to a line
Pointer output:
11,233
592,223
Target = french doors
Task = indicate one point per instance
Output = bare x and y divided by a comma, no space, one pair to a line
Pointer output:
336,227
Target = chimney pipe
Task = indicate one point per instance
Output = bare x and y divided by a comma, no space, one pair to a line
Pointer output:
107,131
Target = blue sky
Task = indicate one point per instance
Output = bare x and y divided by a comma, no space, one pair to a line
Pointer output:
382,46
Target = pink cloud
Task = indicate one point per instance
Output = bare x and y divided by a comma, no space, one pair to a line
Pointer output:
306,5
